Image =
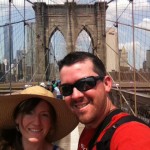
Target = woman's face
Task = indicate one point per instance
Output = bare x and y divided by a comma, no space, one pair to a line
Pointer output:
35,125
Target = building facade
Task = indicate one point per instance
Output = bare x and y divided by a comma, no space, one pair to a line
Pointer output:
124,59
8,43
148,60
112,58
30,50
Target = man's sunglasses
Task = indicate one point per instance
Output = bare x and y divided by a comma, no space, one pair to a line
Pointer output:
83,84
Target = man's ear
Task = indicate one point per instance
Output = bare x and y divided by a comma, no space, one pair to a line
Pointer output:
108,83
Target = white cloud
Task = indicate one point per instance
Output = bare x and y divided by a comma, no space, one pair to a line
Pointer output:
144,24
124,7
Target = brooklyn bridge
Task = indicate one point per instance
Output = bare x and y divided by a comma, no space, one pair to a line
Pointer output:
35,35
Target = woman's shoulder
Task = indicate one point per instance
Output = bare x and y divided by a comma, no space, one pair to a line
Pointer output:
55,147
5,145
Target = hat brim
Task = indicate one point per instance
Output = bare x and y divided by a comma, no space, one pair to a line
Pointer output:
66,120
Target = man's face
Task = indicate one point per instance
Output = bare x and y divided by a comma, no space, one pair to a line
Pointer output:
88,105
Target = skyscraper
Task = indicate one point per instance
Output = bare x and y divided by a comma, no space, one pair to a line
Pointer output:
30,43
30,50
19,72
124,59
148,60
1,46
8,43
112,61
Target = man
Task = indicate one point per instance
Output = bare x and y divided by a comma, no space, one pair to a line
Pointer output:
85,87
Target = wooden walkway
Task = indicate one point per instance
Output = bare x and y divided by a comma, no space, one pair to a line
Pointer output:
70,142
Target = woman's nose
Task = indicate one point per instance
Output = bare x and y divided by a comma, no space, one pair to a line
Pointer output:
37,120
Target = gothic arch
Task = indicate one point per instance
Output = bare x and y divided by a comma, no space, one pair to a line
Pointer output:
70,19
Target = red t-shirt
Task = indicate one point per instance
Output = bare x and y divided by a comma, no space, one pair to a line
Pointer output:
129,136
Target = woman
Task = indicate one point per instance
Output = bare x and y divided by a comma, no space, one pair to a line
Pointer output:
33,121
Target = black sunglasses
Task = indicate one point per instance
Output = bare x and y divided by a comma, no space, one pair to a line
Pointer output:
83,84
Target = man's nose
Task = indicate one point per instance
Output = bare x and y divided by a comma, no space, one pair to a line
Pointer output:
76,93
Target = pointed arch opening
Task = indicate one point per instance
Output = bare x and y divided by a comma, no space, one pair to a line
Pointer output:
57,47
84,42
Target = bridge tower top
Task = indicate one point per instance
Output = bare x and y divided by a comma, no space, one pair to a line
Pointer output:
70,19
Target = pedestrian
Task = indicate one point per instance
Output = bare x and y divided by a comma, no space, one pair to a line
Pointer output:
33,120
56,91
50,87
42,84
86,87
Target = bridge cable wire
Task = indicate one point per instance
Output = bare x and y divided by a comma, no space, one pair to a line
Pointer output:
120,23
120,92
22,21
118,54
36,70
129,64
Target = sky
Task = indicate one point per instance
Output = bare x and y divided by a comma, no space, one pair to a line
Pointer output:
142,20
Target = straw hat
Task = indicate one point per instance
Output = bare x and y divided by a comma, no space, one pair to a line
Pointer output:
65,123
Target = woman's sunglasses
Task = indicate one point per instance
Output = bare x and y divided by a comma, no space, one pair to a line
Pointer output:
83,84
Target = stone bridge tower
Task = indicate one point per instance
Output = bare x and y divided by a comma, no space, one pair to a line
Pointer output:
70,19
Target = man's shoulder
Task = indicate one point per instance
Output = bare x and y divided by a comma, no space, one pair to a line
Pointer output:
128,124
131,135
124,129
133,127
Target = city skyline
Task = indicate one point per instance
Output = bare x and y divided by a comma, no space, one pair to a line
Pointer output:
125,38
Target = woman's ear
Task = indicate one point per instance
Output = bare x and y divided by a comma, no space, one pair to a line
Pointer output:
108,83
17,127
17,119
